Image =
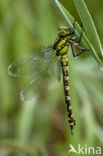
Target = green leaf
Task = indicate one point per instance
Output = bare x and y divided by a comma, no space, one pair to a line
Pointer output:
89,26
95,49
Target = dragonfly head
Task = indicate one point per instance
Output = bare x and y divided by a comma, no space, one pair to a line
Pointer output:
64,31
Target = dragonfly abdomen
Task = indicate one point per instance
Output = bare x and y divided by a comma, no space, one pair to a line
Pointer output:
65,71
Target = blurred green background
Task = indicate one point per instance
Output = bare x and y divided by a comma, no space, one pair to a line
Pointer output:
40,128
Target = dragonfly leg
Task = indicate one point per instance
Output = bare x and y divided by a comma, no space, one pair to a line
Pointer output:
79,40
74,26
82,50
80,34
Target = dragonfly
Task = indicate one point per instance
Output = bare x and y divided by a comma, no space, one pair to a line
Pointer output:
41,66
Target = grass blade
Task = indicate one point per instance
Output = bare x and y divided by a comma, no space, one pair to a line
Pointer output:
69,19
89,26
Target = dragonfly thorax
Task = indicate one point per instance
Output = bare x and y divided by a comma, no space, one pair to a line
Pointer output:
62,43
61,46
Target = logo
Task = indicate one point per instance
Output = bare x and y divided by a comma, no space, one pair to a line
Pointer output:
84,150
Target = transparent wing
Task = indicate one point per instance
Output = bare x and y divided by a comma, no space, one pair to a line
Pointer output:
36,86
59,70
33,65
41,68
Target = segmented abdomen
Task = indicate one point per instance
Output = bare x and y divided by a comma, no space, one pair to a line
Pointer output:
65,71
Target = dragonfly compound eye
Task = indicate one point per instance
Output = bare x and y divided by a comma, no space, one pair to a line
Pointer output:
62,33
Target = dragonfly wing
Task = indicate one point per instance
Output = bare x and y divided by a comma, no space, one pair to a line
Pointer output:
35,86
21,67
40,68
32,65
30,90
59,70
